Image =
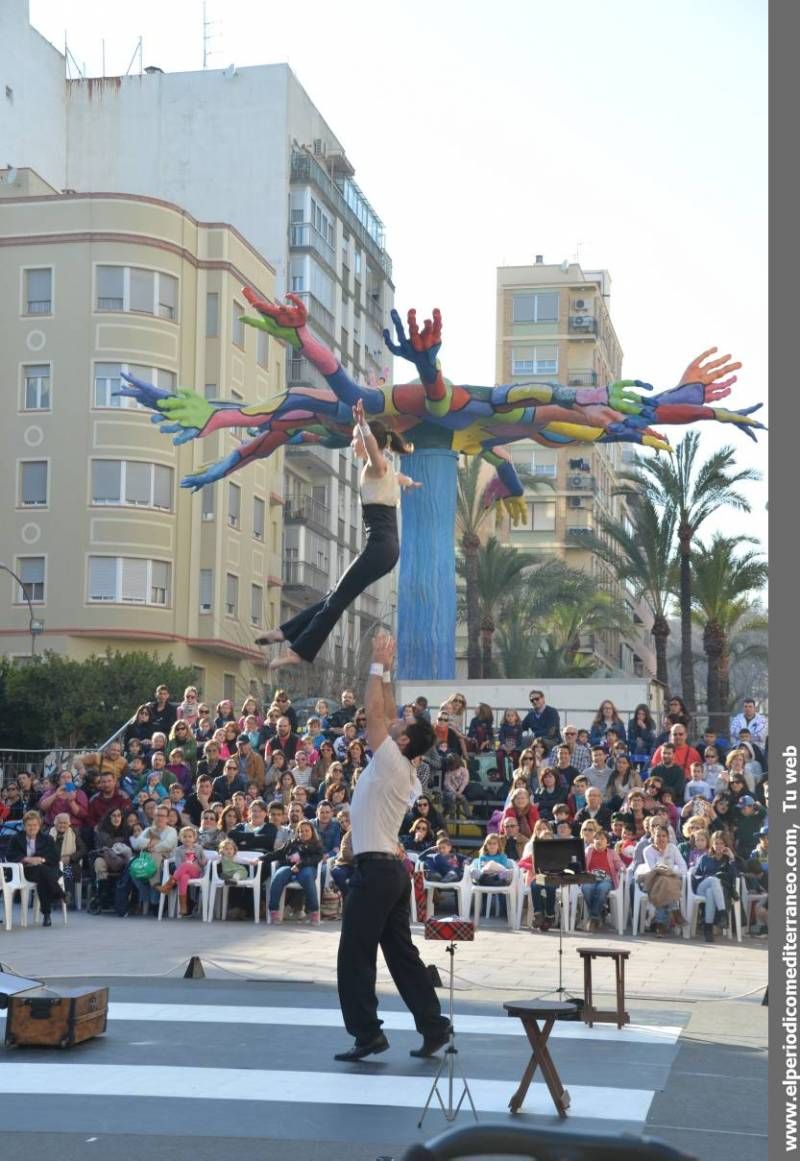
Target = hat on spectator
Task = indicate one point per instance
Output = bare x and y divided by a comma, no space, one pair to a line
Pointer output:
243,738
764,832
746,800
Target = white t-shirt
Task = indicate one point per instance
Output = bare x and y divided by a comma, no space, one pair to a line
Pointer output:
381,799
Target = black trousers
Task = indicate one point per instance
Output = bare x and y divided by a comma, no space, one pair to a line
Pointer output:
46,879
377,913
309,630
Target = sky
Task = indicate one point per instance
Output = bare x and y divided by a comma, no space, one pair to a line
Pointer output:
630,136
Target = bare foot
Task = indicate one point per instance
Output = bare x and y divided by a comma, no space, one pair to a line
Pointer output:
287,658
271,637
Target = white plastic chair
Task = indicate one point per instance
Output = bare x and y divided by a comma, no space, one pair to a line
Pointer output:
37,906
509,890
461,888
203,884
616,902
16,882
524,897
750,899
693,902
295,887
251,883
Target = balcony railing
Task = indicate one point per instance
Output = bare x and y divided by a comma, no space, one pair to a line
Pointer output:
312,456
300,371
307,510
306,168
583,379
319,314
304,235
303,574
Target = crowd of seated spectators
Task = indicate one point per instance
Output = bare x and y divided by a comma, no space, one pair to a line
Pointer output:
186,777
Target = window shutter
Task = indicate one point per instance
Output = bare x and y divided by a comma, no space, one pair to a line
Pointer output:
34,482
106,482
162,487
142,283
134,580
137,483
206,590
102,578
110,287
167,295
159,582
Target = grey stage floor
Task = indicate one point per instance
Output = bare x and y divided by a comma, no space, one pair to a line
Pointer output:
202,1069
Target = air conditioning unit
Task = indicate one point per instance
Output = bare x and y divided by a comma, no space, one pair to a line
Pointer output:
583,321
318,147
574,501
576,481
580,304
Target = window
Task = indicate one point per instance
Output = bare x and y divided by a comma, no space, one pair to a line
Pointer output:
206,590
237,326
30,570
536,308
131,482
541,360
259,517
108,380
134,289
262,349
256,603
549,470
212,315
33,483
210,391
543,516
229,686
36,387
208,503
39,291
234,505
129,580
231,594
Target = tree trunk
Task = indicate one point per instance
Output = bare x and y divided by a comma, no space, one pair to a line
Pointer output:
687,667
470,545
660,632
724,685
487,636
712,647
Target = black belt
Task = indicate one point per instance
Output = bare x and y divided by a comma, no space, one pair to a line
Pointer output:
368,856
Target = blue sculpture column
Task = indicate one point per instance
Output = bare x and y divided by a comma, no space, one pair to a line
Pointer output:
426,590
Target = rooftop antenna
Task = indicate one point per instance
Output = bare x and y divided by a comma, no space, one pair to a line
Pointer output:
208,35
136,52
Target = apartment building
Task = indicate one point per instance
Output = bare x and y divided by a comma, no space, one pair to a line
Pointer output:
554,323
110,549
246,147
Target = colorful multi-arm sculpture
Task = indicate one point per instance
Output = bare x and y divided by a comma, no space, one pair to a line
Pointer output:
473,420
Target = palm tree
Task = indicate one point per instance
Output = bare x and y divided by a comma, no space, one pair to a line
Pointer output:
725,576
693,491
499,577
642,552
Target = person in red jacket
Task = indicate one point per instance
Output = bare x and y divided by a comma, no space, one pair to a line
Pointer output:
684,753
523,810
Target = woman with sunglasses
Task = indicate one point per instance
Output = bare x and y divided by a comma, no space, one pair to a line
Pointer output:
423,808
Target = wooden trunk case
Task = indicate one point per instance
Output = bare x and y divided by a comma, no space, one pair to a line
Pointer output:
56,1019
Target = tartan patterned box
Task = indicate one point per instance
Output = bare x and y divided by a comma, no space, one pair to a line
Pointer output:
451,928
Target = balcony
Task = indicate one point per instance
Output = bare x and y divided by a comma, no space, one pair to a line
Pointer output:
305,236
305,578
577,535
312,458
582,324
582,379
302,373
319,314
306,169
374,311
309,512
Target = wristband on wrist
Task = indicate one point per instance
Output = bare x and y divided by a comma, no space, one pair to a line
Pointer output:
387,677
376,669
363,430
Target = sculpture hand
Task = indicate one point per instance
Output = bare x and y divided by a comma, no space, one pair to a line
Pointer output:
741,418
516,508
617,396
144,393
711,372
186,409
291,314
420,347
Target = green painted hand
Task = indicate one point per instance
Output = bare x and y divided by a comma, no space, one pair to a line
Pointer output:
284,334
187,408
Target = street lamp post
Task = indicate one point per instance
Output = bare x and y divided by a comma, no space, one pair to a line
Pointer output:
35,626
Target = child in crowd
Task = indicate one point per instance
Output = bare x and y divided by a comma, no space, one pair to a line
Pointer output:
492,868
190,859
627,844
577,799
180,769
456,781
442,865
188,710
666,801
229,870
712,768
543,898
481,728
698,783
564,829
606,866
203,730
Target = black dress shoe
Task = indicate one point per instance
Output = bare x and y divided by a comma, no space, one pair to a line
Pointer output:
432,1044
47,921
359,1051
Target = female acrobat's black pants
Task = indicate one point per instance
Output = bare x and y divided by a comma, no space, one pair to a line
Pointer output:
308,631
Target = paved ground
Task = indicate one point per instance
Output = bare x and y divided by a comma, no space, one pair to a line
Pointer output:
242,1061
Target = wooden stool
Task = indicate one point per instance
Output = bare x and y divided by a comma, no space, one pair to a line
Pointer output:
530,1013
591,1015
